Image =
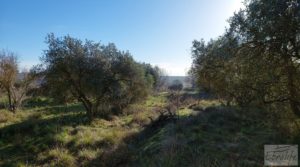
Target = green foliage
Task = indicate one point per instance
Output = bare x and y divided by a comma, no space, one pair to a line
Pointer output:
103,78
257,60
155,77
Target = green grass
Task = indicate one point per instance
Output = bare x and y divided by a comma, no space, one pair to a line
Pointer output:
157,101
60,135
60,157
184,112
206,134
217,136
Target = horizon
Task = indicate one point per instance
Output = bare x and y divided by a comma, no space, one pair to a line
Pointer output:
155,32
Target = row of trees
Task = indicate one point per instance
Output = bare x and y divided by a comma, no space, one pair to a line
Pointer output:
257,60
101,77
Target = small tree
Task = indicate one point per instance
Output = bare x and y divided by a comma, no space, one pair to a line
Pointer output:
8,75
25,82
175,96
156,77
15,84
161,83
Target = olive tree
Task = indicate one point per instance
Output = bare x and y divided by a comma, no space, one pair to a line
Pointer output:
270,33
99,76
257,59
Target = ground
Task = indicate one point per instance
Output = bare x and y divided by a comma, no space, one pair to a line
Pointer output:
204,133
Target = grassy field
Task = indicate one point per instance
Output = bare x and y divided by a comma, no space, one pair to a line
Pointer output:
204,133
62,136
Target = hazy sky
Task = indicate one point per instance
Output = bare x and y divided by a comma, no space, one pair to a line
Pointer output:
159,32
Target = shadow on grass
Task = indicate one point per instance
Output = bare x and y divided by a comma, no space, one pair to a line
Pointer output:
222,136
38,102
59,109
22,142
218,136
126,152
198,95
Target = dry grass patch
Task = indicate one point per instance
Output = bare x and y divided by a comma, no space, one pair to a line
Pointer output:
59,157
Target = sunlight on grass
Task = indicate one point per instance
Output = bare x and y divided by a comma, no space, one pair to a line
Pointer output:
209,103
88,154
61,157
157,101
184,112
59,136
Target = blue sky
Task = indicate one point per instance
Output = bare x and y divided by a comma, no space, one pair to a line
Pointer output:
159,32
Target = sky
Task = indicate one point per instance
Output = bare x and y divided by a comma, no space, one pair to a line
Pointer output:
159,32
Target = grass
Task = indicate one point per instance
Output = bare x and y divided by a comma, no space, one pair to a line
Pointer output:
86,155
60,157
209,139
184,112
205,133
60,135
156,101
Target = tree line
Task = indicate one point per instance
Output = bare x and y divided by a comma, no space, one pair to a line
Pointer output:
101,77
257,59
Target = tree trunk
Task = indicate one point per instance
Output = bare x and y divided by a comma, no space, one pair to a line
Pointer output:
10,102
293,100
293,95
88,107
90,114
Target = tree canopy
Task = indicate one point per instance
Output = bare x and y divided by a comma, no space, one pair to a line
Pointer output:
257,59
101,77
